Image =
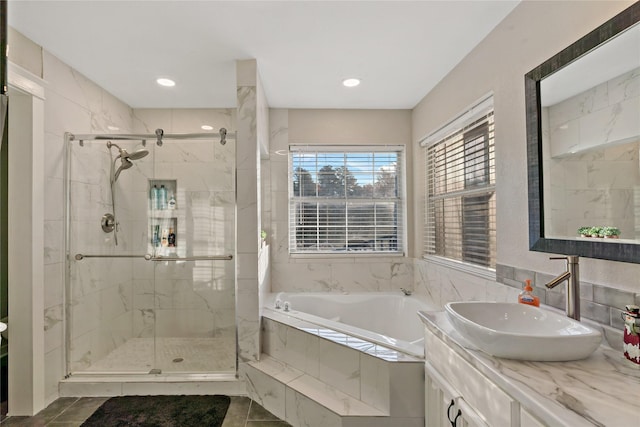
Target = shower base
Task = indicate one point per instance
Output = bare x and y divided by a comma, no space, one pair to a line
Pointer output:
172,355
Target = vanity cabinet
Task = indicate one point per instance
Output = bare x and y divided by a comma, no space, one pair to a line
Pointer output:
528,420
455,387
444,406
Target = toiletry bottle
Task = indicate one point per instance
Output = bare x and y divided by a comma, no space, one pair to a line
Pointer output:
154,197
527,296
156,236
164,242
171,239
631,337
162,198
172,201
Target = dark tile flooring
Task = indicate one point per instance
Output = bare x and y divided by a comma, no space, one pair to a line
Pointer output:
73,411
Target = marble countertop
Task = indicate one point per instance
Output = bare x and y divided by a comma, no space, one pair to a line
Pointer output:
602,390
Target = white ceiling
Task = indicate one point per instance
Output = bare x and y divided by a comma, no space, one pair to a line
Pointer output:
304,49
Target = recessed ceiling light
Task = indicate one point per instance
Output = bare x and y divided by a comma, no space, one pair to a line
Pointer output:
206,127
351,82
166,82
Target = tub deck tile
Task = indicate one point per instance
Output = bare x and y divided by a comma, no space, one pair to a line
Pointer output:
373,349
276,369
338,402
335,400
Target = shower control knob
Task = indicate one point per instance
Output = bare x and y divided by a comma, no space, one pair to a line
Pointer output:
108,222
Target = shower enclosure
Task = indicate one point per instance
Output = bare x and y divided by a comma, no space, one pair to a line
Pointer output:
150,244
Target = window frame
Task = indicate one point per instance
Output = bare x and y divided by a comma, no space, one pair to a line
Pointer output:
461,125
400,200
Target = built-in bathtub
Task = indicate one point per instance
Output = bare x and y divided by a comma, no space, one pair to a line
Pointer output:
386,318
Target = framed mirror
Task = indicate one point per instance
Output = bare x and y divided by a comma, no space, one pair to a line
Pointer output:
583,145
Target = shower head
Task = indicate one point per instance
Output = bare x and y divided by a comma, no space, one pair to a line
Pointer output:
124,154
125,164
135,155
125,158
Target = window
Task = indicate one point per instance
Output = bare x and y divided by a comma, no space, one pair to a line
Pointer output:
460,189
346,199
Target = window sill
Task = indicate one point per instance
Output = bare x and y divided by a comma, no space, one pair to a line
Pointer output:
346,255
475,270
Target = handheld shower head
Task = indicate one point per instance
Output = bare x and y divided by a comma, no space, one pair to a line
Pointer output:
125,164
125,158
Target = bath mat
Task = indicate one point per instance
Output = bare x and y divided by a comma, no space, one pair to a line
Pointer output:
160,411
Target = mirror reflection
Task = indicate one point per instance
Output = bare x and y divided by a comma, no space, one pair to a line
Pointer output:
590,129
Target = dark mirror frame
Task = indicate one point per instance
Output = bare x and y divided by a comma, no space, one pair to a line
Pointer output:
625,252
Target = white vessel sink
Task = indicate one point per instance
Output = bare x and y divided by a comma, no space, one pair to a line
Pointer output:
523,332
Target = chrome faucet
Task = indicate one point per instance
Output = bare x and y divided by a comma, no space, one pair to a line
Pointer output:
406,292
572,305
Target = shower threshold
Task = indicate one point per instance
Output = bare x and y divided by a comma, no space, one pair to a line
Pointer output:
174,383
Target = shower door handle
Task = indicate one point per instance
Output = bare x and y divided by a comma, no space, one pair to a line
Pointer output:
150,257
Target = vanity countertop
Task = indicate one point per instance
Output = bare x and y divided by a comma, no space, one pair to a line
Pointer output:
602,390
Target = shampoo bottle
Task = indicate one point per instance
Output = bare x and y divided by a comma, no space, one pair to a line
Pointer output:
527,296
154,197
162,198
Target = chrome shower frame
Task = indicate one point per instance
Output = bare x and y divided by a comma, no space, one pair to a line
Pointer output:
159,136
69,139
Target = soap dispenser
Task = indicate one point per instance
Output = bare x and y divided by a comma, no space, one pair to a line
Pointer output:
527,296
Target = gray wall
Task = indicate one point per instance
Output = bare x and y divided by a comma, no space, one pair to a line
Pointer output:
532,33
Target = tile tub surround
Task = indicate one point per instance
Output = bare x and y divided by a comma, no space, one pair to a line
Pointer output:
601,390
311,375
358,314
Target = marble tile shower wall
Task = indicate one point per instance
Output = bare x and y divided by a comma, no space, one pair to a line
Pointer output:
115,300
190,299
73,104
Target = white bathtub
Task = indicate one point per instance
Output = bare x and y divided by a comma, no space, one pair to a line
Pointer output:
386,318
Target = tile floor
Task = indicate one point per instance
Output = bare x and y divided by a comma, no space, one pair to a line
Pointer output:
73,411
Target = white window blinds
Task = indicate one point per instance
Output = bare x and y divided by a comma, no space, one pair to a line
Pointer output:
460,212
346,199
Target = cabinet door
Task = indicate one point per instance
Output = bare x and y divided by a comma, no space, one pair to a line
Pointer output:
496,407
468,417
440,399
528,420
444,406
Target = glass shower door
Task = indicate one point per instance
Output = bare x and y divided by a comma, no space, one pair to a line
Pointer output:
109,283
161,299
191,225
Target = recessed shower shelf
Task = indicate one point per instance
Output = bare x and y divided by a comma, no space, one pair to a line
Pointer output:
163,215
